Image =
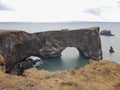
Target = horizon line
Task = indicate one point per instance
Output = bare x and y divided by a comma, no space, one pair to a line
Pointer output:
59,22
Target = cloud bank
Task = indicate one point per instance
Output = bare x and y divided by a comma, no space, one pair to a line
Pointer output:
60,10
4,7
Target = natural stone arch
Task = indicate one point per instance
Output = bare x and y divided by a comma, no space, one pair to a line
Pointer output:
87,41
16,46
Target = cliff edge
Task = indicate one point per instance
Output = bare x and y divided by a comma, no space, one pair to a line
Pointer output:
97,75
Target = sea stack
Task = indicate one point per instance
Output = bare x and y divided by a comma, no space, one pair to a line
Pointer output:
106,33
111,50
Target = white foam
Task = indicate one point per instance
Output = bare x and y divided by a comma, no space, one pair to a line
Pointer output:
34,58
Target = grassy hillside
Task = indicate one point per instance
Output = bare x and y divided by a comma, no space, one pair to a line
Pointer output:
97,75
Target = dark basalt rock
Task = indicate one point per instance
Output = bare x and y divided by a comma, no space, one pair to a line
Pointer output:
16,46
29,62
111,50
106,32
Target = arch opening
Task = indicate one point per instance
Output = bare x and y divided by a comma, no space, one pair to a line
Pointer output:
70,53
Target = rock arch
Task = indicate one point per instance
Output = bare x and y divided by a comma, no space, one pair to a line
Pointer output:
15,46
87,41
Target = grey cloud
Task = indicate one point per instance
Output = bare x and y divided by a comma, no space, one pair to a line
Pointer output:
5,7
118,3
94,11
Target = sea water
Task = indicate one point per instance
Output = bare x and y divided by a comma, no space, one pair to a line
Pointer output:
70,57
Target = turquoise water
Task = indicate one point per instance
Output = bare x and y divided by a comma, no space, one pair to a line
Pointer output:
69,59
66,61
62,64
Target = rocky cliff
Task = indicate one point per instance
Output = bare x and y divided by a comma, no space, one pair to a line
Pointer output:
16,46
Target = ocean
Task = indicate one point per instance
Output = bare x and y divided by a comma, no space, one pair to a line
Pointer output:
70,57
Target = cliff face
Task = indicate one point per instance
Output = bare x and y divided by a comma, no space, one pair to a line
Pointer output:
16,46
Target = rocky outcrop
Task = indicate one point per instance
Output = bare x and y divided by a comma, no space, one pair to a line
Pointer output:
16,46
87,41
31,61
106,32
111,49
97,75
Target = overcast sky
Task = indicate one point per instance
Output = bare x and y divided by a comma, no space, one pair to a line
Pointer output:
59,10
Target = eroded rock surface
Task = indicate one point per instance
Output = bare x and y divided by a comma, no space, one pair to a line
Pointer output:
16,46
